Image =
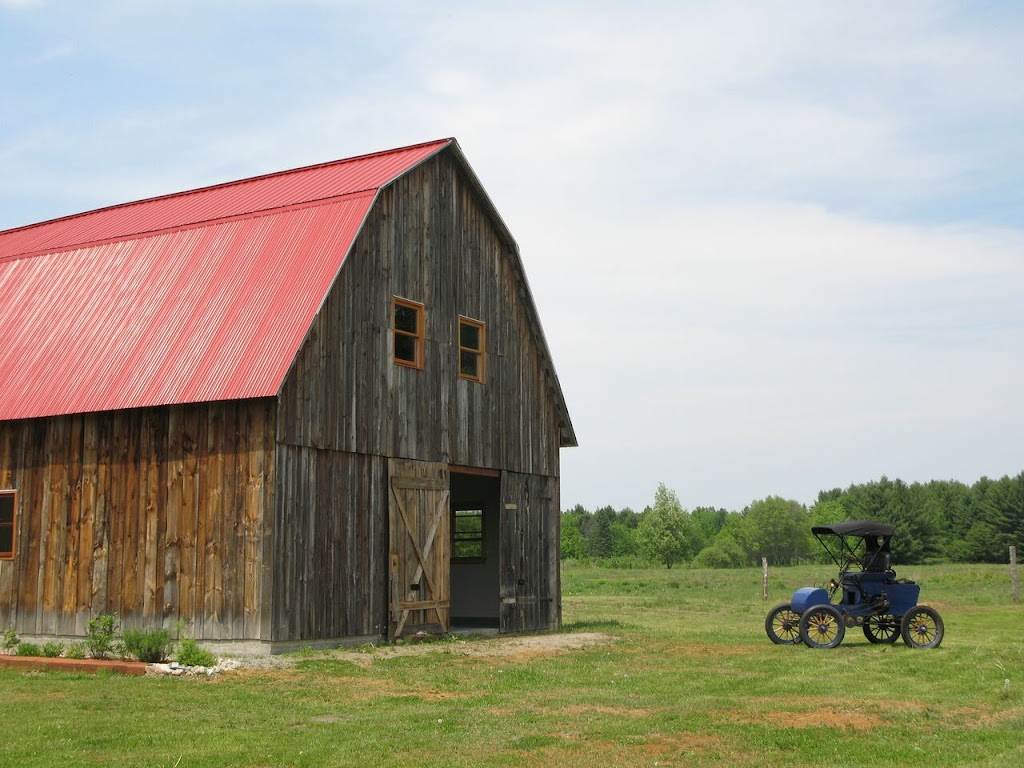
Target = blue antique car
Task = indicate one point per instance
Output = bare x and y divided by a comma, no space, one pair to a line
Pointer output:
865,593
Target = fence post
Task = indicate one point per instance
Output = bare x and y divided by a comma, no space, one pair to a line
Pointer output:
1014,575
764,577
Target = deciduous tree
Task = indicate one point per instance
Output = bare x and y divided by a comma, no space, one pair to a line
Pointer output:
666,533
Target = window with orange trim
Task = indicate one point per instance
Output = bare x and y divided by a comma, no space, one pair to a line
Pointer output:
472,355
407,332
8,527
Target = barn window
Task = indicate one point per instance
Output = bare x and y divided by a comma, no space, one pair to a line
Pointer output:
471,349
8,505
407,324
468,535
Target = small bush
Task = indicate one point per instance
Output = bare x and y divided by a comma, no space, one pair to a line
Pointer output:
149,645
191,655
102,633
75,651
28,649
9,640
52,650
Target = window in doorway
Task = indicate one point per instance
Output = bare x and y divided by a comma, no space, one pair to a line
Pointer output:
8,529
468,535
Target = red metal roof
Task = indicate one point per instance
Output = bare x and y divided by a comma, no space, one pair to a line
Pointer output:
203,295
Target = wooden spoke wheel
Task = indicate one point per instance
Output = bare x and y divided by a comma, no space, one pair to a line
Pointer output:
822,627
783,625
922,627
881,628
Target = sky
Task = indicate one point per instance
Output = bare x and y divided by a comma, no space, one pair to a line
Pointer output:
777,247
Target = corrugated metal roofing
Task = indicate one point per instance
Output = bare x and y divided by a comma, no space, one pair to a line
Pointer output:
204,295
261,193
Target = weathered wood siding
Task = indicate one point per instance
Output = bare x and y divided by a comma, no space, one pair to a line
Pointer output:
345,406
158,514
330,574
428,238
528,574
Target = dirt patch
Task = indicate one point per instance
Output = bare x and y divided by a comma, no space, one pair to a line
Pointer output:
813,712
520,647
850,720
658,745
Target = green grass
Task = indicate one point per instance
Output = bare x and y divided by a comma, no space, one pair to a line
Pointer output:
688,679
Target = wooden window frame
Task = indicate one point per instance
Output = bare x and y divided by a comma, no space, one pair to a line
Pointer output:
481,352
13,525
418,337
482,538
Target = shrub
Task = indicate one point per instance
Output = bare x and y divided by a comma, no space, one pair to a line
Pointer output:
75,651
713,557
9,640
28,649
102,634
149,645
52,649
191,655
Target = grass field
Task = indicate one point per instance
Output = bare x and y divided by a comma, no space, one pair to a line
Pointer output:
686,677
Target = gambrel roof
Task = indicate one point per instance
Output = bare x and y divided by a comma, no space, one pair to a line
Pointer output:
192,297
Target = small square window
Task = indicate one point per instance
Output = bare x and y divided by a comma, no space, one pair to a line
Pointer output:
407,332
468,535
472,349
8,518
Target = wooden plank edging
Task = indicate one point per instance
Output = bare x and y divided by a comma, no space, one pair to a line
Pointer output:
117,666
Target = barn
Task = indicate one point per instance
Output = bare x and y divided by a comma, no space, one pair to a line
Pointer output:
305,408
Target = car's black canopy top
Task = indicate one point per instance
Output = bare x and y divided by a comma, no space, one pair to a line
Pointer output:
855,528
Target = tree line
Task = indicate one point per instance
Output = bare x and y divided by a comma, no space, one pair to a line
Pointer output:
938,521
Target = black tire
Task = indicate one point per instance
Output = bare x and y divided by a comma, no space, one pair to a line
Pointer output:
881,628
822,626
783,625
922,627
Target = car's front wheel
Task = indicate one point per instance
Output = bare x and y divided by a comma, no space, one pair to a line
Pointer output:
822,627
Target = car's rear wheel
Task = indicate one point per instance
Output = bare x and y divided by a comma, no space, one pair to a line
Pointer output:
922,627
881,629
783,625
822,627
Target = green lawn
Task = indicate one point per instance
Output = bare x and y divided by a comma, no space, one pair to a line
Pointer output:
688,678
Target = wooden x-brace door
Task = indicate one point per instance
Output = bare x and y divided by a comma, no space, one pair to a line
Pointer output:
419,587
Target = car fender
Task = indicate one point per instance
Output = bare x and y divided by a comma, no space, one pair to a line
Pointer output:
807,597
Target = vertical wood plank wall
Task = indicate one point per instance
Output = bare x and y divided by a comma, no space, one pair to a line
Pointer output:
159,515
330,574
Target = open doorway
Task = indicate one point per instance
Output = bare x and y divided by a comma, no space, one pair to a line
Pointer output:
475,547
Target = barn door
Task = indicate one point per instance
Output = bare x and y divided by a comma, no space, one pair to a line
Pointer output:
528,568
419,586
